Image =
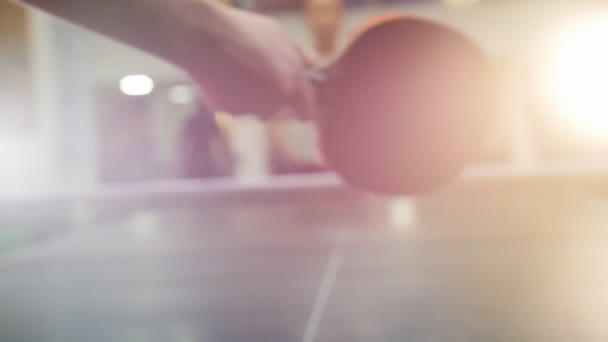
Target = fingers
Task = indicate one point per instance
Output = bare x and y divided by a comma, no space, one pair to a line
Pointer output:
305,99
291,75
305,59
285,63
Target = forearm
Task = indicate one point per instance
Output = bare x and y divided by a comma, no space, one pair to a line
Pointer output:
166,28
242,62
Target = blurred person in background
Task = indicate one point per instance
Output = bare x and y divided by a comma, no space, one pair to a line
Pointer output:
243,62
294,144
325,18
205,152
129,152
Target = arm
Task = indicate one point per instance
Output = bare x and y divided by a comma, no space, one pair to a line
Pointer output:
243,62
162,27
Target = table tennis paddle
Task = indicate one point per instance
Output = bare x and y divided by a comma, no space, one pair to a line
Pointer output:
405,107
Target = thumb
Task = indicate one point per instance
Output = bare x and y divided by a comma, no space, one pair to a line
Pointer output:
305,98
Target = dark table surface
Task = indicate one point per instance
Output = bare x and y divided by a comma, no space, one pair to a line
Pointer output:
496,264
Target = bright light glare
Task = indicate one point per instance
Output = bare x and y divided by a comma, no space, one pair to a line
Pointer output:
402,214
460,3
578,77
144,226
181,94
136,85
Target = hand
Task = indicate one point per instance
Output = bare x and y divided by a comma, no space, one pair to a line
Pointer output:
253,67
